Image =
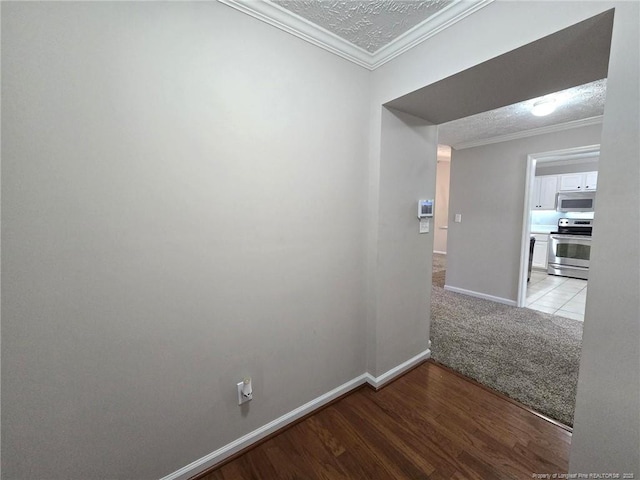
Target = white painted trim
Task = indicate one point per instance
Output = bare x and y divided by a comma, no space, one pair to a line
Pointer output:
432,26
439,251
386,377
585,160
566,154
471,293
526,230
250,438
530,133
289,22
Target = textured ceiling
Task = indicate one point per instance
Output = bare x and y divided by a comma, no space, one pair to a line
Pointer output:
472,106
577,103
369,25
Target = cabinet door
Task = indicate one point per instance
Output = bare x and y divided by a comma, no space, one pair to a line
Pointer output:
540,254
590,180
571,181
548,191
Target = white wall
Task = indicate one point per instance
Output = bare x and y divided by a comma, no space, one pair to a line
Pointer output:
408,171
441,214
487,188
182,196
137,137
606,434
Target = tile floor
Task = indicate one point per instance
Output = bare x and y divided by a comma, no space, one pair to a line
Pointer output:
558,295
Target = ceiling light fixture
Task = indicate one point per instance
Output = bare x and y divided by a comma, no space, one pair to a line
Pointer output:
543,107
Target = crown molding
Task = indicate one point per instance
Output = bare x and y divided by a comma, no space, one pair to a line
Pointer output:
590,159
530,133
568,156
289,22
433,25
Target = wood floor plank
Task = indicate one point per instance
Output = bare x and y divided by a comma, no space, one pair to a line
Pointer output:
396,459
490,412
559,456
539,458
460,441
258,464
230,471
468,420
326,437
430,423
244,468
321,464
441,450
486,440
421,423
289,467
397,435
368,465
485,469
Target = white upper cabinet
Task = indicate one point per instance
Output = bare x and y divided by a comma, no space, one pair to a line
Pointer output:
571,181
544,192
577,182
590,180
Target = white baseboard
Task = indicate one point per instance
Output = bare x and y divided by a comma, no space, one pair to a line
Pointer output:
471,293
440,252
377,382
258,434
245,441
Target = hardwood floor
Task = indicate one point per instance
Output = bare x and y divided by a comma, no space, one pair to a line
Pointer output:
430,423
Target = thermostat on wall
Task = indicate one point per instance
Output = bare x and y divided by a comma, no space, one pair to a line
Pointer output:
425,208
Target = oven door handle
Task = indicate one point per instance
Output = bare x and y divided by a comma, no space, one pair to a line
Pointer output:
571,237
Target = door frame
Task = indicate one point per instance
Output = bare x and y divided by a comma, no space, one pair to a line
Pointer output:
568,154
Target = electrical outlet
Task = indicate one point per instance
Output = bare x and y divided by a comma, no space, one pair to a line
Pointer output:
245,391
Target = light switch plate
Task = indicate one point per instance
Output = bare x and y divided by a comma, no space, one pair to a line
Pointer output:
458,218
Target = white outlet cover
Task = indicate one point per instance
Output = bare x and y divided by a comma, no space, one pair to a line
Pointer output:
243,398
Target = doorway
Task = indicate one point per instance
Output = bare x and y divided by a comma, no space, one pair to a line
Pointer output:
481,224
441,216
551,293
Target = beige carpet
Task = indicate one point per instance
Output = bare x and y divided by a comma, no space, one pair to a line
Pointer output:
530,356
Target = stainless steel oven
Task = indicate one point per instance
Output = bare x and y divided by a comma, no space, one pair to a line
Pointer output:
570,248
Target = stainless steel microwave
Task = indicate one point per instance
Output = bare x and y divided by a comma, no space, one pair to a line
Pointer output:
576,202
